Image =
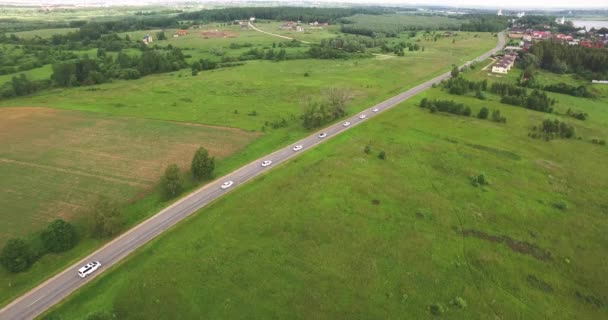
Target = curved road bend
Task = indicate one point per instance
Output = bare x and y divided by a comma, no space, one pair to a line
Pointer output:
52,291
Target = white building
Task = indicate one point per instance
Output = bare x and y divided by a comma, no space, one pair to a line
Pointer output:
504,64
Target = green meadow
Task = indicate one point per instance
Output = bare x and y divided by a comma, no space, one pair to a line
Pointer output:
341,233
126,112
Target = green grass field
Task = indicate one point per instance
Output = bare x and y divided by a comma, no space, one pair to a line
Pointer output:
338,233
273,90
43,33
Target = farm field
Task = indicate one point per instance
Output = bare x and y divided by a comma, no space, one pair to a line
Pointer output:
344,234
43,33
273,89
54,162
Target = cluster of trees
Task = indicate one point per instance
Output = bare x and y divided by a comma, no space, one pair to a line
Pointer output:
202,166
343,47
20,86
580,91
518,96
496,116
577,114
507,89
537,100
452,107
400,47
552,129
484,23
88,71
461,86
448,106
261,54
276,13
590,63
18,254
330,108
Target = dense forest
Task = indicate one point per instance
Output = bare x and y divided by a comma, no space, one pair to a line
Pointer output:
590,63
277,13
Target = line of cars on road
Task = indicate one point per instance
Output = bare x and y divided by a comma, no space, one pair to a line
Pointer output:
299,147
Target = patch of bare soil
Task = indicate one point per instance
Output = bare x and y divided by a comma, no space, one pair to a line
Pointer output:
515,245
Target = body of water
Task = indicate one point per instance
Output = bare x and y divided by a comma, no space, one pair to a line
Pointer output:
590,24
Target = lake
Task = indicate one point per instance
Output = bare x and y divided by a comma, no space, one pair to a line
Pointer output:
590,24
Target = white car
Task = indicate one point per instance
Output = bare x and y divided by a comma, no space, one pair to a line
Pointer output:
297,148
266,163
346,124
227,184
362,116
323,135
88,268
375,109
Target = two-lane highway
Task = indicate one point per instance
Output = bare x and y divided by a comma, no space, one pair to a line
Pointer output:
58,287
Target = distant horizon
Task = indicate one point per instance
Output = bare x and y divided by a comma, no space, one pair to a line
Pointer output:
513,5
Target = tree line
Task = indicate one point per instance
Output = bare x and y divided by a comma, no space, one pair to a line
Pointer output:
90,71
552,129
449,106
589,63
277,13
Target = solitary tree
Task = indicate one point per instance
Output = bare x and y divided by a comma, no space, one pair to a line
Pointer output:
107,219
172,181
16,256
202,164
59,236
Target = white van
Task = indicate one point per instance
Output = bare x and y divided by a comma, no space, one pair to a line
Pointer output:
88,268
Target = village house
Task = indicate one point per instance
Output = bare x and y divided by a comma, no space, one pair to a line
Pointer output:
182,32
147,39
504,64
541,35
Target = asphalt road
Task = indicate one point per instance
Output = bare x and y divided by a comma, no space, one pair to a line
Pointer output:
60,286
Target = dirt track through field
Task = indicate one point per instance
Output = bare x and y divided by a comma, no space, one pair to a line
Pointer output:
74,172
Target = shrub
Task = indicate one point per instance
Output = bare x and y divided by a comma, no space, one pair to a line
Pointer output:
459,302
437,308
59,236
107,218
16,256
479,180
367,149
497,117
382,155
202,164
172,182
483,113
560,205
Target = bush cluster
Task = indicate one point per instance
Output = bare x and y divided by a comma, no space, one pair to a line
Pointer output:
552,129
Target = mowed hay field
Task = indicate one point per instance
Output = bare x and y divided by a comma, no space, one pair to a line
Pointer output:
341,234
55,162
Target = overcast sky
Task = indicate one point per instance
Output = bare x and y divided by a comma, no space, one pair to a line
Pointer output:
505,4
